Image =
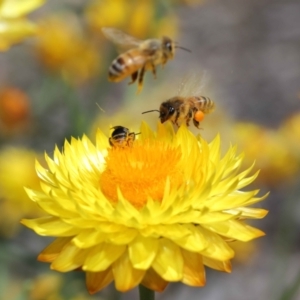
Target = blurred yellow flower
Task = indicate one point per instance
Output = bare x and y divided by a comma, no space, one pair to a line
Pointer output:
270,150
17,169
290,130
63,47
141,19
153,213
14,26
46,287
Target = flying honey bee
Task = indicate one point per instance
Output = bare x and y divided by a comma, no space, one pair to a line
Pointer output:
121,137
141,55
184,108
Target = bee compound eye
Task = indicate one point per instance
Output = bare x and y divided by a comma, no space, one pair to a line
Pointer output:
169,47
171,110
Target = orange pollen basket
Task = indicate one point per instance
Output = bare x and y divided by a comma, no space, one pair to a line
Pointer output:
199,116
141,171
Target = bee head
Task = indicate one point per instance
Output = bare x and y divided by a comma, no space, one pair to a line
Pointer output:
119,131
166,111
168,47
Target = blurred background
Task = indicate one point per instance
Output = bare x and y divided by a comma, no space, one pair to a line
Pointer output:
53,85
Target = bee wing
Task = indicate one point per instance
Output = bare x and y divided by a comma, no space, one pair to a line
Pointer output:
121,39
192,84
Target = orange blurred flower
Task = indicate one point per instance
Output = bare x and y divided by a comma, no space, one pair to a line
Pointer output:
14,110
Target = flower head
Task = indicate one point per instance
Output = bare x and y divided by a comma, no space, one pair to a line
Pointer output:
153,213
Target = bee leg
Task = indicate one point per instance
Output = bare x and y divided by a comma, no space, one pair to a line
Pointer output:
131,138
177,117
196,123
153,70
141,77
134,77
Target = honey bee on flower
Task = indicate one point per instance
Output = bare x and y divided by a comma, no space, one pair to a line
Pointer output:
141,55
121,137
187,106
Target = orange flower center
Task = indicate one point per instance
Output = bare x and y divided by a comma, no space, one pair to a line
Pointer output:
141,171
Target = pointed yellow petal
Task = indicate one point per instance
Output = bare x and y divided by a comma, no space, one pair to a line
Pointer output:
236,230
99,280
193,269
88,238
168,262
216,247
195,241
146,132
248,212
153,281
16,8
102,256
70,258
224,266
51,226
142,252
126,277
53,250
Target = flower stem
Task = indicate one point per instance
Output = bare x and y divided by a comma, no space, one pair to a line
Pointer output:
145,293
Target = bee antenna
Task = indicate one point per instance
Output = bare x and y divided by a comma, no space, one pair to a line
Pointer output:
185,49
145,112
137,133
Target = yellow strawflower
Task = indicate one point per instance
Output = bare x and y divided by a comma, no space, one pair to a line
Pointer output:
14,26
150,214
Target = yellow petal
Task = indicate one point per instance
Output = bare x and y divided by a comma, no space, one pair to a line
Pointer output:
236,230
195,241
53,250
168,262
51,226
88,238
126,277
142,252
102,256
70,258
17,8
153,281
99,280
124,237
14,31
216,247
224,266
249,213
146,132
193,269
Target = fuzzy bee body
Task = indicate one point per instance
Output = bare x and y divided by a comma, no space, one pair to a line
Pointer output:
140,57
121,137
